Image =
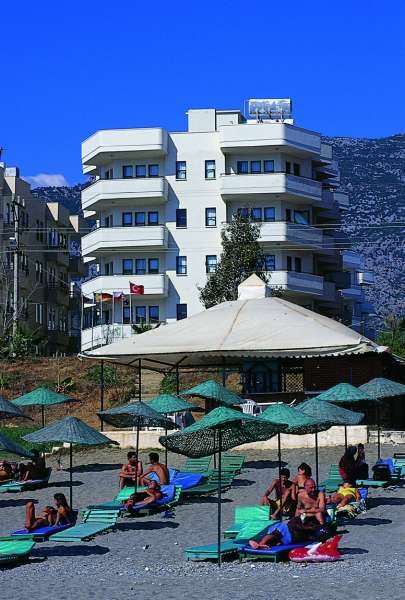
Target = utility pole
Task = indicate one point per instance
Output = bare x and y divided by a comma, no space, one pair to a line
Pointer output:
16,204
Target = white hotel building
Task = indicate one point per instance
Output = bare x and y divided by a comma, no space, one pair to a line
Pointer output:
160,199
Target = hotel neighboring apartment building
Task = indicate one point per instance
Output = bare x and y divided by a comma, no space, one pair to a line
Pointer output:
159,201
49,265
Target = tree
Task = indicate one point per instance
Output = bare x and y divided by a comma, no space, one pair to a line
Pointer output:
393,334
241,256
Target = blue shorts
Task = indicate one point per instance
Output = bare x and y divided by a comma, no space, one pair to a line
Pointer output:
286,537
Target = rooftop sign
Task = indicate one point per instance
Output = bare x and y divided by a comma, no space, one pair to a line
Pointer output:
270,107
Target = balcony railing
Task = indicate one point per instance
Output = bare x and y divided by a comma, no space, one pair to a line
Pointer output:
100,193
155,285
103,239
238,185
294,281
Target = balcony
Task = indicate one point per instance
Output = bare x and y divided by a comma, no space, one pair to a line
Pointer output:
104,334
298,283
100,194
109,144
103,239
365,278
155,286
352,260
342,200
352,293
256,186
279,137
302,236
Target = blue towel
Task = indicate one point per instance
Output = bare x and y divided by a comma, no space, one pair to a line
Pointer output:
273,549
187,480
42,530
169,492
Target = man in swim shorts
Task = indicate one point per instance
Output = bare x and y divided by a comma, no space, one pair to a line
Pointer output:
155,467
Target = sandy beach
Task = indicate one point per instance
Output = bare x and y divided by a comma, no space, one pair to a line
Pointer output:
143,558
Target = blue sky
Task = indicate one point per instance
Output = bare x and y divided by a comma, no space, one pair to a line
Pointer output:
70,68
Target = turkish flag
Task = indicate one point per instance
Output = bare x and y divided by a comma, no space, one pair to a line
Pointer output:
134,288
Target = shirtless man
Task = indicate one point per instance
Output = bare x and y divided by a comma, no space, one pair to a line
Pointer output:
149,496
286,494
50,516
155,467
311,503
131,472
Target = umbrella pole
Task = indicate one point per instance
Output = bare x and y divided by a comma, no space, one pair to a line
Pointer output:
219,495
345,437
279,475
316,459
378,434
166,449
43,415
137,453
71,476
102,393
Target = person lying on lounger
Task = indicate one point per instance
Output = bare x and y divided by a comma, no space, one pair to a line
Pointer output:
144,498
311,503
284,499
345,494
155,467
49,516
35,469
130,472
6,471
294,531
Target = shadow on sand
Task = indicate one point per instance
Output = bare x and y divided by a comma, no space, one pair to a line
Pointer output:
374,502
242,482
10,503
263,464
74,550
145,526
59,484
97,467
374,521
353,551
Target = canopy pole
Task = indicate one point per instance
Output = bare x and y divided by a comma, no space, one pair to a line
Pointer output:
345,438
223,372
43,415
219,494
316,459
177,380
279,475
102,392
71,476
378,433
137,453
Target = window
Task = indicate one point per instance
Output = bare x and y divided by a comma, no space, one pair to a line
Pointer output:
288,167
269,262
153,314
298,264
256,214
109,268
127,171
181,265
140,266
255,166
288,215
301,217
153,218
244,213
268,166
181,310
181,169
108,221
39,313
126,315
289,263
210,263
140,171
210,169
140,219
127,266
153,170
242,167
127,219
210,217
181,217
153,265
297,169
269,213
140,314
108,174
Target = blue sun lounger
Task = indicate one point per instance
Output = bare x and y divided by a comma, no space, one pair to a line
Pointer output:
275,553
39,535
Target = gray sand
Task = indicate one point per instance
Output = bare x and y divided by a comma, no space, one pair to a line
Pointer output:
143,558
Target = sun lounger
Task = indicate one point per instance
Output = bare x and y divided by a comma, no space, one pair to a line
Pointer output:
196,465
170,499
232,462
210,486
210,551
372,483
184,480
247,514
39,535
13,550
22,486
275,553
95,522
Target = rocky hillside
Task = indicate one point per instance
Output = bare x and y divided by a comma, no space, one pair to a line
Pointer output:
68,196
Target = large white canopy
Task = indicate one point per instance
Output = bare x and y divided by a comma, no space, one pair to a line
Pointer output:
233,331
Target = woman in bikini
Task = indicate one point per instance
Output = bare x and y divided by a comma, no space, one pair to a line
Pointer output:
304,473
49,516
346,493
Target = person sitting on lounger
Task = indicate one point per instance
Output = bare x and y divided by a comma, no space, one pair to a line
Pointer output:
304,473
149,496
311,503
49,516
155,467
285,495
35,469
6,471
131,472
360,463
345,494
347,465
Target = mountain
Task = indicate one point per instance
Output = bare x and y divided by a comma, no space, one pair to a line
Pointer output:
373,174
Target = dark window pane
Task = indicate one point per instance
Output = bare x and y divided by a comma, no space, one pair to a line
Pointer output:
244,213
126,219
140,170
126,314
268,166
288,215
269,213
127,266
242,166
289,263
139,218
140,314
255,166
140,266
153,218
211,263
153,314
301,217
153,265
298,264
153,170
288,167
256,214
210,169
181,217
269,262
210,217
297,169
181,265
127,171
181,169
181,311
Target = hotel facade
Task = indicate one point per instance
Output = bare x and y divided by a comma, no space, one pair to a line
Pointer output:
159,200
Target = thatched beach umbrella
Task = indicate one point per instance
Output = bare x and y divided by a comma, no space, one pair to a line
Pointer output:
7,445
135,414
72,431
212,390
9,411
221,429
42,397
325,411
168,404
381,389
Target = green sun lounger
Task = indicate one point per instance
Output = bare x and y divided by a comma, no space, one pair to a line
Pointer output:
196,465
210,486
372,483
13,550
95,522
22,486
247,514
232,462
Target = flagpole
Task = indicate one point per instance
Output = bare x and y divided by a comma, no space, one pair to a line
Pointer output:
101,317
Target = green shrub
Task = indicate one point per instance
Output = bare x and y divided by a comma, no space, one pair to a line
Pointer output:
16,434
110,375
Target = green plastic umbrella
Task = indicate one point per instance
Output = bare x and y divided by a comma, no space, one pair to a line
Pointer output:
72,431
380,389
7,445
221,429
212,390
42,397
298,424
344,393
325,411
135,414
9,411
167,404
